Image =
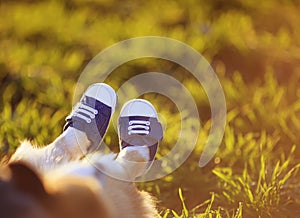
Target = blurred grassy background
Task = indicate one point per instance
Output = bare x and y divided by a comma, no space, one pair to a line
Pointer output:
254,48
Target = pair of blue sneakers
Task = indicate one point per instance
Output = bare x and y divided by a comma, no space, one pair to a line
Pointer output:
138,123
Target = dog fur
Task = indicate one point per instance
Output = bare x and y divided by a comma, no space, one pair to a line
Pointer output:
33,187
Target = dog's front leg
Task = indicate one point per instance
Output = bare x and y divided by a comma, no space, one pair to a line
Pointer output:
70,145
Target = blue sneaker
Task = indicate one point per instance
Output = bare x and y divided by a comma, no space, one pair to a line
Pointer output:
139,126
92,114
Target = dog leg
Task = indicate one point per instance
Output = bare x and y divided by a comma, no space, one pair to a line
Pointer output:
134,160
70,145
130,163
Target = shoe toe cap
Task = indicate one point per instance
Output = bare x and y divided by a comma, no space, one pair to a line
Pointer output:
103,93
138,107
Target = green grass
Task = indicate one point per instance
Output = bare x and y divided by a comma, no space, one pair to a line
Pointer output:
206,207
269,195
257,172
254,49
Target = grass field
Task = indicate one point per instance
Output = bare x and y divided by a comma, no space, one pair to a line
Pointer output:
254,49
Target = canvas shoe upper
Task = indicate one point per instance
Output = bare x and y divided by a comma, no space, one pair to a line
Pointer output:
92,113
139,126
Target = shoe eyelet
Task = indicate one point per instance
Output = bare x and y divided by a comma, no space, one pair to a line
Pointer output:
95,112
88,120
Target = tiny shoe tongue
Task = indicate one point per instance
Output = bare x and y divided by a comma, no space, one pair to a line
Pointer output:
154,133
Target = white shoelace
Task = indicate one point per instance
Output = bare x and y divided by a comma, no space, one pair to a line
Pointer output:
89,112
142,126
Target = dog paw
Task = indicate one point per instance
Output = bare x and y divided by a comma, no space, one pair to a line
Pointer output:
135,154
134,160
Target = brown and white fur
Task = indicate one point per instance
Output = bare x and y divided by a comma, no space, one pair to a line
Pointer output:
55,181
